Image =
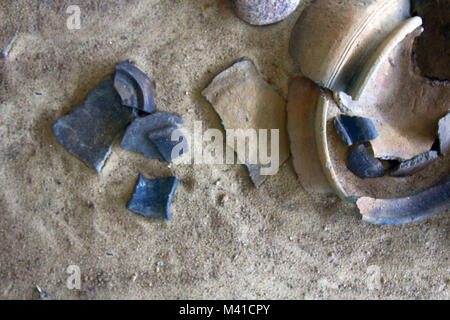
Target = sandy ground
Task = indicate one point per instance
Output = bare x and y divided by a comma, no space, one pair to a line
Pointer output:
275,242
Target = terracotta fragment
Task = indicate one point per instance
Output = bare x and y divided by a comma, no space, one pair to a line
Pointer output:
404,106
301,111
244,100
259,12
410,167
424,204
91,129
332,40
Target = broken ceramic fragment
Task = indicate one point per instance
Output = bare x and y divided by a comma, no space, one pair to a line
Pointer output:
259,12
152,197
151,136
444,134
399,101
162,139
91,129
412,166
332,40
301,111
362,163
432,201
134,87
355,130
244,100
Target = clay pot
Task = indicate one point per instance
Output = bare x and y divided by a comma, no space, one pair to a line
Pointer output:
333,39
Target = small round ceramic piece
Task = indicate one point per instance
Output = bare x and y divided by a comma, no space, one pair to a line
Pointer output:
260,12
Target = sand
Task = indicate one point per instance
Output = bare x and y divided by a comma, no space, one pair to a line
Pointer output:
274,242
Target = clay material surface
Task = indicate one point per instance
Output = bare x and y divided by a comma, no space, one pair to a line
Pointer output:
244,100
332,40
301,112
152,197
404,106
91,129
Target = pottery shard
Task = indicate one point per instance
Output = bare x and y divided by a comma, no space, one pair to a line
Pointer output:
404,106
355,130
244,100
152,197
301,111
332,40
134,87
151,136
444,134
362,163
259,12
410,167
91,129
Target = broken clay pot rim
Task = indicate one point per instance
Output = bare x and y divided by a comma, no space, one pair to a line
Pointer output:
377,58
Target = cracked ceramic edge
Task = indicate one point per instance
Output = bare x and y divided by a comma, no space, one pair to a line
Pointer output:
322,147
432,201
381,53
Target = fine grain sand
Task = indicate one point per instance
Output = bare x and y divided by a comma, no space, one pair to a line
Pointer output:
274,242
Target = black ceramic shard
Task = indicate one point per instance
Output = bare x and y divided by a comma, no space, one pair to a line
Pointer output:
427,203
342,132
355,130
138,135
162,139
363,164
134,87
152,197
91,129
414,165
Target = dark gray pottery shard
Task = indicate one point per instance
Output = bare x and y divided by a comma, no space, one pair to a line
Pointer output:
355,130
134,87
152,197
363,164
91,129
151,135
414,165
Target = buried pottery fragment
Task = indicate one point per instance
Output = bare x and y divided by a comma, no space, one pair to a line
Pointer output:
244,100
362,163
412,166
151,136
399,102
257,12
152,197
421,205
91,129
301,111
333,39
355,130
134,87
